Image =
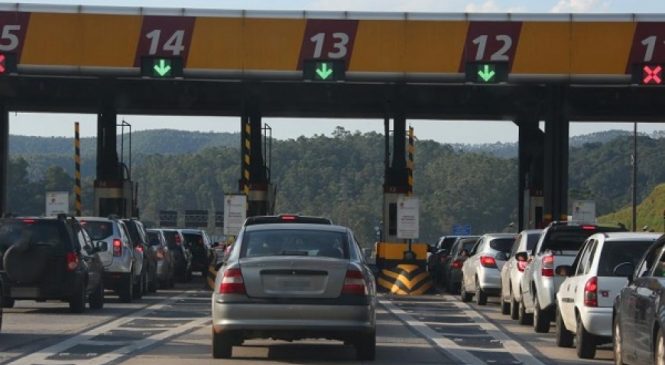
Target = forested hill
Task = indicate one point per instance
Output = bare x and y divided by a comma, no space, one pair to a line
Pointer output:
341,177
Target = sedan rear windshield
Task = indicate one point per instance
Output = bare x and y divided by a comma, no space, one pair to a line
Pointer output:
502,244
192,239
98,230
50,233
616,253
448,242
287,242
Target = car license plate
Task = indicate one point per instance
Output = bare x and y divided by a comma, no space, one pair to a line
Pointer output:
24,292
295,284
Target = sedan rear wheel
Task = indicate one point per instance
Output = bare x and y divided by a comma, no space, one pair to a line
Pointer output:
366,347
564,338
541,318
586,342
481,296
618,342
222,345
660,349
514,307
466,297
524,318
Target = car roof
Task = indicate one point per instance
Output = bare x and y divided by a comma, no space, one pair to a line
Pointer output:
296,226
285,219
532,231
500,235
629,236
94,219
191,230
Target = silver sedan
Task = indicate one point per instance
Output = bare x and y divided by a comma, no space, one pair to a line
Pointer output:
292,282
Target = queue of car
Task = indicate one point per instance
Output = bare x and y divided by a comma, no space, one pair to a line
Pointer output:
599,285
78,260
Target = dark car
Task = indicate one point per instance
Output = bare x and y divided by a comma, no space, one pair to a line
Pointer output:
438,255
139,239
198,242
50,259
181,254
451,269
639,310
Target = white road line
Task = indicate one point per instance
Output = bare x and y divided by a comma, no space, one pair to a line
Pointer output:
509,345
41,356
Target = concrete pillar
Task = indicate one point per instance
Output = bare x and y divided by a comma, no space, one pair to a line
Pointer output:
254,181
556,159
530,175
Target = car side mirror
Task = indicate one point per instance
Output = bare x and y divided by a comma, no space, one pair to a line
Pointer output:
522,256
564,270
624,269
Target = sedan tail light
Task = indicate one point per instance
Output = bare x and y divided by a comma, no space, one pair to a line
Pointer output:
354,283
521,265
117,247
591,292
72,261
232,282
457,264
488,261
547,269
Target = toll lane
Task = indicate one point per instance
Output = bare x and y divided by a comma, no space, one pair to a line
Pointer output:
173,327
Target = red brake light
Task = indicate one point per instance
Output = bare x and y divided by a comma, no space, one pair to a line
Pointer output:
72,261
28,221
589,228
232,282
487,261
548,266
288,217
521,265
354,283
117,247
591,292
457,264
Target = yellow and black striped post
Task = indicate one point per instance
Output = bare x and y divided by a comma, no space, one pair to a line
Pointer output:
247,143
409,162
77,163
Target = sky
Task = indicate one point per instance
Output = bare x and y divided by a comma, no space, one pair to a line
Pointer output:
43,124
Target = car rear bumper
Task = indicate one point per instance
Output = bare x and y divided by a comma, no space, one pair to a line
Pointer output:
113,279
301,320
597,321
490,281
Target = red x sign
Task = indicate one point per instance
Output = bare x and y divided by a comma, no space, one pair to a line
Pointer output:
3,68
652,75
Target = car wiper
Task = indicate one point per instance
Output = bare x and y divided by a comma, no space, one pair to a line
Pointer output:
294,253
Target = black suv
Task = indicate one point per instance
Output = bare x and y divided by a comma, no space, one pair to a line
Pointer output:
50,259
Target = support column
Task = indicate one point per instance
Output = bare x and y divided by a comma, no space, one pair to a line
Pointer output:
556,160
530,175
254,181
113,189
396,179
4,160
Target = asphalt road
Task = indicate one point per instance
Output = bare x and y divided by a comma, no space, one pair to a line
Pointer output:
173,327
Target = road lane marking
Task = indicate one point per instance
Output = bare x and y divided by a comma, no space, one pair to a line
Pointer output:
45,356
448,345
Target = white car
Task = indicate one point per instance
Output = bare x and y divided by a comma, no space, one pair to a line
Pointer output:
481,272
512,271
586,296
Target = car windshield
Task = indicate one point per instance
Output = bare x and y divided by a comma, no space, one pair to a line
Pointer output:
153,238
616,253
291,242
192,239
32,232
98,230
502,244
448,242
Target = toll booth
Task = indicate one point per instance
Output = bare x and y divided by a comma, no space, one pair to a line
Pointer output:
114,198
401,262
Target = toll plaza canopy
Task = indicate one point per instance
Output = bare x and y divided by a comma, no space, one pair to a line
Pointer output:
414,50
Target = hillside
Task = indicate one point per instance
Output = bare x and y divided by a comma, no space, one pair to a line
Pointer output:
649,212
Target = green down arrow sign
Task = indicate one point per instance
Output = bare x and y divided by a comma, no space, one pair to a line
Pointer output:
162,68
486,73
323,71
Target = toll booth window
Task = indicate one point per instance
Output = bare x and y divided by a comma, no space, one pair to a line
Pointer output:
392,219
